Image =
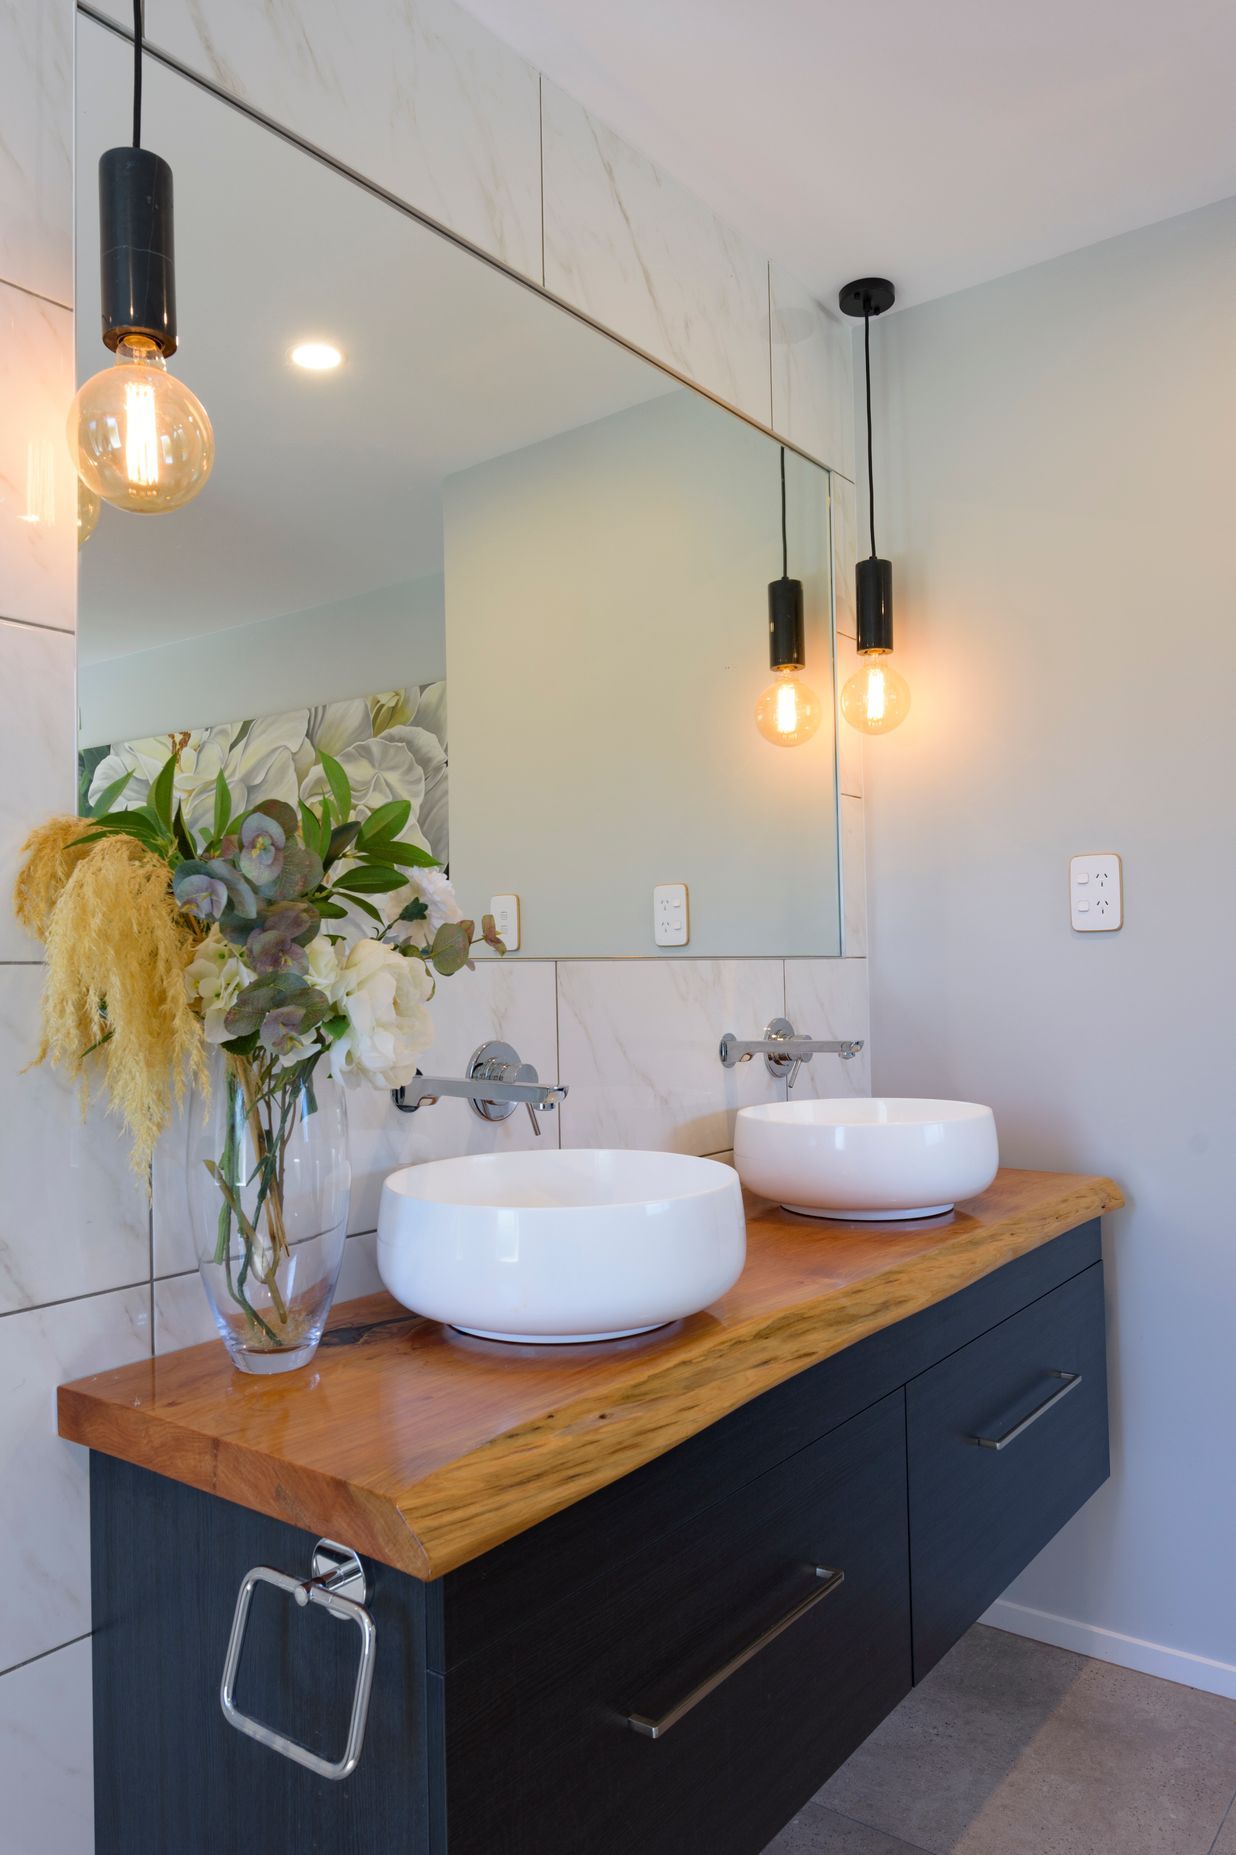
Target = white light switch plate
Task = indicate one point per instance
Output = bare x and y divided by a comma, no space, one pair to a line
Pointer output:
1096,893
671,921
505,911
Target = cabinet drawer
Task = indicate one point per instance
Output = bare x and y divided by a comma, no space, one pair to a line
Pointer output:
1006,1440
542,1756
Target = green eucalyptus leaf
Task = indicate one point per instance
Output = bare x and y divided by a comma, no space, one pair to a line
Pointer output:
410,855
386,820
223,810
452,946
161,793
337,780
340,838
107,798
370,879
300,871
280,813
259,997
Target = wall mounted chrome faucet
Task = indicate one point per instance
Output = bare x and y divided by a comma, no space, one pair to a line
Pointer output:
496,1083
783,1050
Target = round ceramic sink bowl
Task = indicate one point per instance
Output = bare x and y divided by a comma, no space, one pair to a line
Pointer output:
867,1161
561,1246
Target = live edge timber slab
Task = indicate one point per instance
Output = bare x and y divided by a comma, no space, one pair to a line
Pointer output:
423,1449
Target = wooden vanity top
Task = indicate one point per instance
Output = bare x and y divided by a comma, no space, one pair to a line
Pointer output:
423,1449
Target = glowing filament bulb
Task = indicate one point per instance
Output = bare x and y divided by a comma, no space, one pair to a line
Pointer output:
875,699
788,712
141,435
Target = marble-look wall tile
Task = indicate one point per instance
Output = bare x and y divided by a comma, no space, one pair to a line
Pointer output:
638,1041
812,374
46,1755
36,170
647,259
45,1520
75,1219
36,727
849,740
829,999
38,488
418,97
510,1000
843,503
853,879
182,1315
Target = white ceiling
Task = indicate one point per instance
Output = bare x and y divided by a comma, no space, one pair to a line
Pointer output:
939,142
325,486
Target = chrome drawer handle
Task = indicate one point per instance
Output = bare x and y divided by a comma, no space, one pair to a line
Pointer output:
338,1585
656,1729
1071,1381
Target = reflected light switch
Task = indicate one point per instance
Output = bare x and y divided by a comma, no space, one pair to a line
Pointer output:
671,926
505,911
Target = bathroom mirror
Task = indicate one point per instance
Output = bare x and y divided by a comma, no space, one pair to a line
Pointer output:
489,510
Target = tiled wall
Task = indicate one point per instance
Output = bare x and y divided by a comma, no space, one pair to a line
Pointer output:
427,103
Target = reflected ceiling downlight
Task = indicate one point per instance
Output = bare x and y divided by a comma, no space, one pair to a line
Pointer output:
316,357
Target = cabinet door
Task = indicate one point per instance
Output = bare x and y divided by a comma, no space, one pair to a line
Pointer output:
761,1640
1006,1439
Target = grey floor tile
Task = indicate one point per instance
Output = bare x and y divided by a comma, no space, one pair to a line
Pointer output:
1013,1748
1225,1841
816,1831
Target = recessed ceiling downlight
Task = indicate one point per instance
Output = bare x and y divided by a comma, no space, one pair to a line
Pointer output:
316,357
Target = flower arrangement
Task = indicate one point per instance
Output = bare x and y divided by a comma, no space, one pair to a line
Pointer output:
287,941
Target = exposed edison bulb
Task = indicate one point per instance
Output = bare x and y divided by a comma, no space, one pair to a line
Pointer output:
88,507
876,698
789,711
141,440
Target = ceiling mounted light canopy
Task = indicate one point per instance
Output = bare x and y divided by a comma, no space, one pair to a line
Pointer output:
876,698
788,712
140,439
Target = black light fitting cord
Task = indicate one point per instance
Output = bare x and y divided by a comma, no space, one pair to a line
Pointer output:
137,73
870,465
785,552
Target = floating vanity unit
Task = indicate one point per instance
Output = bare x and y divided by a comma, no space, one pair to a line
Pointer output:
641,1597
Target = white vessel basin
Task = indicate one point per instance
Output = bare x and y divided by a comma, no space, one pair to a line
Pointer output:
561,1246
869,1161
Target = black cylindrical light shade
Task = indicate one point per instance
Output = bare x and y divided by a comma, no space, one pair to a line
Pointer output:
785,624
873,581
137,266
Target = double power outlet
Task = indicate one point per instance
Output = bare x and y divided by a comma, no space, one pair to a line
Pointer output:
1096,893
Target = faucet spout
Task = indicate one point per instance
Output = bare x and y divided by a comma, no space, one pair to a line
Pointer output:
496,1084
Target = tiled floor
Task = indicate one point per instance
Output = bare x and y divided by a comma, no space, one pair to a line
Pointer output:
1012,1748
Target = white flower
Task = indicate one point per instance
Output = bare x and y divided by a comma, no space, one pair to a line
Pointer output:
434,889
213,978
323,968
258,765
382,994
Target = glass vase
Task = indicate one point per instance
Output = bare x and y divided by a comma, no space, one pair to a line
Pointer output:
268,1183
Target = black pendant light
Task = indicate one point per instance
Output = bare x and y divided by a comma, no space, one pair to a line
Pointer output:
788,712
140,438
876,699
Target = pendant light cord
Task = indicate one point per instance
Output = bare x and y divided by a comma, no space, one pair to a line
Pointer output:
785,552
870,465
137,73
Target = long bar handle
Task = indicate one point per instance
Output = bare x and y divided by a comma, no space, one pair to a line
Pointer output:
828,1582
1071,1381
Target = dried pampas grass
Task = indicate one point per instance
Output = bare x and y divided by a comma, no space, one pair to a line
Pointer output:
117,948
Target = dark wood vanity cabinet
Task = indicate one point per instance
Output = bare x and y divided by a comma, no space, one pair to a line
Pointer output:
674,1664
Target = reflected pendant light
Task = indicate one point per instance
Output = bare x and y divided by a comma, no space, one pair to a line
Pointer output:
139,437
788,712
875,699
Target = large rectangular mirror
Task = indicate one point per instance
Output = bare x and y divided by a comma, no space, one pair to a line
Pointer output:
489,510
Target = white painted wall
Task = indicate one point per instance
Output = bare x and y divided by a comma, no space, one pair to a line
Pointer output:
606,646
377,640
1058,460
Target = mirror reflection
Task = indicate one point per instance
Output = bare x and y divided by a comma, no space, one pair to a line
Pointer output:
437,494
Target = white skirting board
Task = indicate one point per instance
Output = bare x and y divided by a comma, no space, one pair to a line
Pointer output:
1149,1658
